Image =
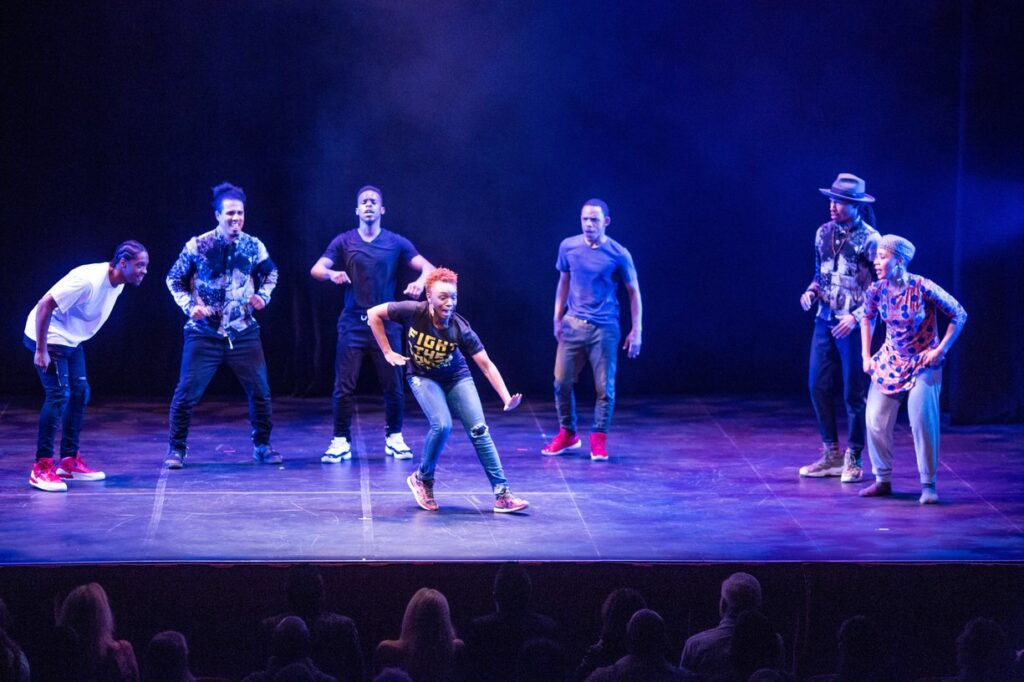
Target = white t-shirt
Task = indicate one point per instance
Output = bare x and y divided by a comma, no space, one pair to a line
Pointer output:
84,299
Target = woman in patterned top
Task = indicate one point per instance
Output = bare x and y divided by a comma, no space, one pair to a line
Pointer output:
908,363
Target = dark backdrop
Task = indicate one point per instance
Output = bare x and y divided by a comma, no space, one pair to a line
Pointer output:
707,126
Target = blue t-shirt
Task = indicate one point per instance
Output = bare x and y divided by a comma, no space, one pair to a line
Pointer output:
594,276
438,354
372,267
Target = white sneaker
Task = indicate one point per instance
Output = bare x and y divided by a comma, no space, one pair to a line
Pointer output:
338,450
394,445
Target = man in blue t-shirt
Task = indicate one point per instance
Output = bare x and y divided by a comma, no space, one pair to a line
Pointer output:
592,265
365,261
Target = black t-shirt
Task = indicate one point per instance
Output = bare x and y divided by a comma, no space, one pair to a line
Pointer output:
372,266
438,354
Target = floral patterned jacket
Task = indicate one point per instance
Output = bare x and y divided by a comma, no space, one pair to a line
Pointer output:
222,275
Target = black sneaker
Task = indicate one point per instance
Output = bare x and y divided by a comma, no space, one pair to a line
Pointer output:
175,459
266,454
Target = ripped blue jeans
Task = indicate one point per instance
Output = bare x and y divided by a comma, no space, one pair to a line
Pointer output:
461,399
65,395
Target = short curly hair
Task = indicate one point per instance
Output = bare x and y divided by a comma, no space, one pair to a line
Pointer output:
441,275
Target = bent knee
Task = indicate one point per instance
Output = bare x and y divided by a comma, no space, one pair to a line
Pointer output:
443,428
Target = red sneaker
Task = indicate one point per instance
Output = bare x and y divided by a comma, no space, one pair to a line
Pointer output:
45,478
506,502
423,491
565,440
598,451
76,468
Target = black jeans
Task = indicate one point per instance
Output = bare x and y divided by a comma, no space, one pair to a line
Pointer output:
201,356
65,395
355,340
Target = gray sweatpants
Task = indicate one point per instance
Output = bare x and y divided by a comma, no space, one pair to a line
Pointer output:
923,410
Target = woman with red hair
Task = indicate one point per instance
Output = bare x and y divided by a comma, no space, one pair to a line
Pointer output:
438,342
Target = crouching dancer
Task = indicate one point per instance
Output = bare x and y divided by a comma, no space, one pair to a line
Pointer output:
436,369
67,316
909,363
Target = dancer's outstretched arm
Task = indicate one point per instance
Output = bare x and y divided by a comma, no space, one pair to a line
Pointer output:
490,371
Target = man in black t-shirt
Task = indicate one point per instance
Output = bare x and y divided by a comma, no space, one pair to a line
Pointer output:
365,261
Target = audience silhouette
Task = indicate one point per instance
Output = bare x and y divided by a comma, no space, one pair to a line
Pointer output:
427,647
92,653
334,639
493,642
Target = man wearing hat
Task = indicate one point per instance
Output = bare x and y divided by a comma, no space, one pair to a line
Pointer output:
844,249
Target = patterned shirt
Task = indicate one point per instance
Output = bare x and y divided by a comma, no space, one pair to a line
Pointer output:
222,275
911,328
842,268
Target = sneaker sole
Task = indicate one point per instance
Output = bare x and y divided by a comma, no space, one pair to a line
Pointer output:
851,479
335,459
824,473
397,454
508,511
94,476
416,497
598,458
49,487
174,465
550,453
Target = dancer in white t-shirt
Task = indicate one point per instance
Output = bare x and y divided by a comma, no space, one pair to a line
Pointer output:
69,314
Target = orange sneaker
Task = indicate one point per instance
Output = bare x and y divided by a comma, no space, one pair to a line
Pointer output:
506,502
423,491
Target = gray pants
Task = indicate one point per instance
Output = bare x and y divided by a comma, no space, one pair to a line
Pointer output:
923,410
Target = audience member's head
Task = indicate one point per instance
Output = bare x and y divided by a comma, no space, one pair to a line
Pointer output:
305,590
512,588
427,619
754,644
392,675
859,647
540,660
290,641
616,611
295,672
166,659
645,635
87,613
13,664
428,637
740,592
982,651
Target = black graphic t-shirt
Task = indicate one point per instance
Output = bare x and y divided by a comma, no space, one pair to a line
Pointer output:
438,354
372,266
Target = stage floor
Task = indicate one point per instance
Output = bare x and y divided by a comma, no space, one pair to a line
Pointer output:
691,479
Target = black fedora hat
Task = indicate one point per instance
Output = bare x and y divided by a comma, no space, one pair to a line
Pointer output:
848,187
